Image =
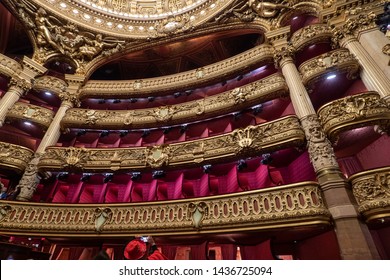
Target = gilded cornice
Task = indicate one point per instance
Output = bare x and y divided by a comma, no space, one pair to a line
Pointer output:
372,192
184,80
9,67
251,141
337,12
51,84
14,157
269,88
351,28
136,19
354,111
309,35
278,207
33,113
340,60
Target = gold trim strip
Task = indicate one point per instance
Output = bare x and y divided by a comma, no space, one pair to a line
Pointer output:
269,88
50,84
252,140
279,207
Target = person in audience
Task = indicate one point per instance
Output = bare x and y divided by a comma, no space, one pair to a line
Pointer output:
143,248
3,191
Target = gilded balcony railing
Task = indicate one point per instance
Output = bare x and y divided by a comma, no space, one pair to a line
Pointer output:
280,207
51,84
9,67
252,140
312,34
372,192
257,92
14,157
33,113
354,111
211,73
317,68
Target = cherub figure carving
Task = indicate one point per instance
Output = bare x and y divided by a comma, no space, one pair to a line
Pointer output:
266,9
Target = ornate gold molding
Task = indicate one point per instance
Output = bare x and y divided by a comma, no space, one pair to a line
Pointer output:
33,113
340,60
51,84
184,80
319,147
354,111
269,88
9,67
278,134
14,157
372,192
351,28
312,34
279,207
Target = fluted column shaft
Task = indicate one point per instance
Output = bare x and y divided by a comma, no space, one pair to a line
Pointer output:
30,179
376,45
354,239
371,74
53,132
9,99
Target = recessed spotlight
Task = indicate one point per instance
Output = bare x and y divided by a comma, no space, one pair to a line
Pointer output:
27,123
330,77
47,93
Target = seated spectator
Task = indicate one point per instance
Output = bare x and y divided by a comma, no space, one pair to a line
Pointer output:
143,249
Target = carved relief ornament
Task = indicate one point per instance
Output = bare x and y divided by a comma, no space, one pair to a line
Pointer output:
352,27
319,147
30,179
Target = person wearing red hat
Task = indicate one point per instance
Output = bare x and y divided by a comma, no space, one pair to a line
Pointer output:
143,249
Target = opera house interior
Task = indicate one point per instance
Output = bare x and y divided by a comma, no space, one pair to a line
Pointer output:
224,129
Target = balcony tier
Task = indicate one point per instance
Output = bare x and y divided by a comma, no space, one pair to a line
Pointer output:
239,98
280,207
14,157
36,114
251,141
216,72
354,111
312,34
337,61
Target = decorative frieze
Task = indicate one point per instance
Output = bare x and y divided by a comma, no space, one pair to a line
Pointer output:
279,134
312,34
340,60
285,206
9,67
257,92
184,80
372,192
319,147
14,157
33,113
352,27
354,111
50,84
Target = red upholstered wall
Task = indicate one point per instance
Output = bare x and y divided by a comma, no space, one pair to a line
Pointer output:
320,247
375,155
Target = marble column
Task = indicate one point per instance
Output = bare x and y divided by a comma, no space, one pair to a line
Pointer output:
16,89
30,179
347,35
354,239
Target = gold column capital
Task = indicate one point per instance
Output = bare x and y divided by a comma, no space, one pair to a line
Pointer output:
350,29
